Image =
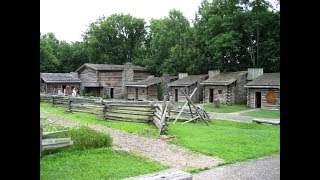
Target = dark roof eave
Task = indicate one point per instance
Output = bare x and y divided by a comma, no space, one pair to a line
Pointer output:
261,86
62,81
136,85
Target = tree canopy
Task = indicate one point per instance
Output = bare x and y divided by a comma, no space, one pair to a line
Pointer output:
229,35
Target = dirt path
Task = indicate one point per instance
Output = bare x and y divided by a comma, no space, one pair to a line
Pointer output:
236,116
155,149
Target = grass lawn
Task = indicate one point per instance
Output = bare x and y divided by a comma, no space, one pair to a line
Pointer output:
231,141
86,118
272,114
225,108
101,163
222,109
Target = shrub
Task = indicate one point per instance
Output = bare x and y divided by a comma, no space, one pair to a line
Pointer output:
87,138
87,94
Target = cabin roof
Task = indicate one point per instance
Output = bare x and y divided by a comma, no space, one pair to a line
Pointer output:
267,80
188,80
110,67
60,77
223,79
149,81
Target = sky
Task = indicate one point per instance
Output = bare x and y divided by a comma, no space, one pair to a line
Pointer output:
68,19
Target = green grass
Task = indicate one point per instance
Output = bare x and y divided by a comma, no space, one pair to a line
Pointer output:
231,141
272,114
101,163
224,108
83,160
86,119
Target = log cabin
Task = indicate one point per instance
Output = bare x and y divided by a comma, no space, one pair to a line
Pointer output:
188,82
51,83
264,92
227,87
148,89
109,80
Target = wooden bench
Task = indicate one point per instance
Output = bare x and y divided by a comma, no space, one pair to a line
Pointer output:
265,121
170,174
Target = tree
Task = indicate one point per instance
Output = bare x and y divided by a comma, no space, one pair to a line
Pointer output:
48,59
48,53
167,41
233,35
117,39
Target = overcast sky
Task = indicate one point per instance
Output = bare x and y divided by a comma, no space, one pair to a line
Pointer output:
68,19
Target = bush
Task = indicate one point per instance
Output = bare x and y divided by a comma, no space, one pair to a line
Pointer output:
87,138
87,94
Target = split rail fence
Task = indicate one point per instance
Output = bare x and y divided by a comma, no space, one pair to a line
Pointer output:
128,111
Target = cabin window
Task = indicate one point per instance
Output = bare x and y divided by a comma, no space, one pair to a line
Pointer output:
220,91
143,91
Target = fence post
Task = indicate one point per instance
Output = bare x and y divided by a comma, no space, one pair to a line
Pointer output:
41,133
69,105
105,107
52,101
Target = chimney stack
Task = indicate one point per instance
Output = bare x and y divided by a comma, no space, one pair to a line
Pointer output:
254,73
182,75
212,73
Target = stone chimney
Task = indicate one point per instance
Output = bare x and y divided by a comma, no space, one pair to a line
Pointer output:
127,76
74,74
182,75
254,73
212,73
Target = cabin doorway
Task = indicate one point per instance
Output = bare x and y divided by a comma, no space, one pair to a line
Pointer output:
111,92
63,87
176,95
258,100
136,94
211,95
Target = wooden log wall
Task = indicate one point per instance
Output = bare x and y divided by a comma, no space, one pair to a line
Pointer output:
153,92
140,75
222,97
264,103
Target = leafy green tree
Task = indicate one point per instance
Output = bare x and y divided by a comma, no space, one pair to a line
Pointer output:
48,56
117,39
167,44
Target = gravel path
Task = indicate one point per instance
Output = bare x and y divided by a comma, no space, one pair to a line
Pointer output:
155,149
236,116
262,168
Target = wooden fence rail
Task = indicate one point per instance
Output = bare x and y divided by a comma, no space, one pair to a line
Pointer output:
128,111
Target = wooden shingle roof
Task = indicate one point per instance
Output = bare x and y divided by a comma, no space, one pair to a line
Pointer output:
149,81
188,80
223,79
60,77
111,67
266,80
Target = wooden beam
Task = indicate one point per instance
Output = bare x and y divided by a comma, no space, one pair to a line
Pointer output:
185,104
265,121
191,119
53,133
199,113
